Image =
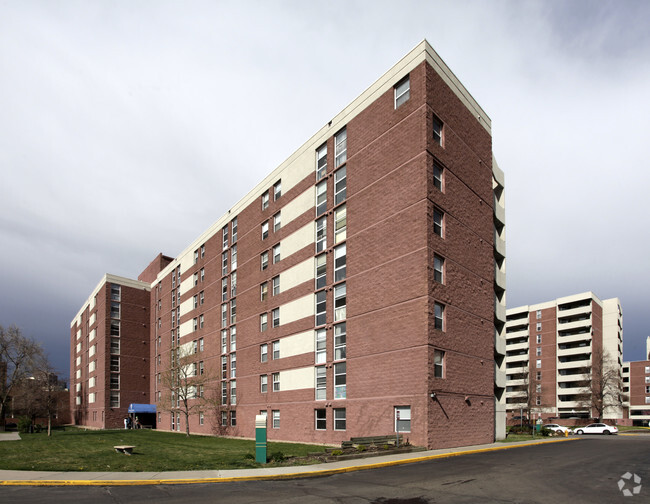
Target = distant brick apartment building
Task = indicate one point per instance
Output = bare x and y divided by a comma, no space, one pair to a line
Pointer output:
552,347
636,383
360,282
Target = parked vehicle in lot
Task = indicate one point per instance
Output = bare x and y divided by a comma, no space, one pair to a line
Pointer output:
556,428
596,428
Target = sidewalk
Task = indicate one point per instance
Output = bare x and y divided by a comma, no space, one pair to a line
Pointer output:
46,478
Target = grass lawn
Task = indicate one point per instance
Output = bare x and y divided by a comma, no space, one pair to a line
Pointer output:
80,450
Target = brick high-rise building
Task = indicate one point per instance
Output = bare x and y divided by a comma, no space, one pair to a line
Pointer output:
359,288
554,348
636,383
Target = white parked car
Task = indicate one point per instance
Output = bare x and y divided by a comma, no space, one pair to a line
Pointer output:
556,428
596,428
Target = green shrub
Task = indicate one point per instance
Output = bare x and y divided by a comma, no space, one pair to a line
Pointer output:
336,453
24,424
277,456
361,448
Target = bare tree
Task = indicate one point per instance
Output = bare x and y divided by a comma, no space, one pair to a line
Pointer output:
606,384
19,356
185,383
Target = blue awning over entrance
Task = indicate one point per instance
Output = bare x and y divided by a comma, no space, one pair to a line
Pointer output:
142,408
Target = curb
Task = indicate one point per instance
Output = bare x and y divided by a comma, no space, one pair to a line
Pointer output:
296,475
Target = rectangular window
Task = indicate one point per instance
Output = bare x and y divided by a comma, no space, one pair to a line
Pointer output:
321,162
340,148
263,322
224,264
115,292
339,418
233,224
264,383
538,388
233,311
438,221
340,301
321,198
647,390
201,418
340,224
321,383
196,256
224,395
224,341
264,260
202,251
225,237
233,338
538,375
195,323
233,365
115,399
195,300
538,363
264,352
340,185
224,315
276,382
438,364
224,289
233,392
339,341
277,222
196,278
265,230
438,268
276,350
340,263
275,415
539,339
233,257
539,314
437,175
200,344
539,326
275,317
115,381
201,321
538,401
115,310
276,285
402,91
277,190
265,200
115,346
402,419
339,380
276,253
115,327
224,418
539,351
321,346
321,234
321,271
437,130
264,291
647,369
115,364
320,416
202,274
321,307
439,316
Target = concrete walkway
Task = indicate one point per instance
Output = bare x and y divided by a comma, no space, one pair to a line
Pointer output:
51,478
9,436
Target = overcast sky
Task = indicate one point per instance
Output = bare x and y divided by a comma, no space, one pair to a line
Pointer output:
128,127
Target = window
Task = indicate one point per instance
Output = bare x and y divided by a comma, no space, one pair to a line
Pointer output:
647,390
264,381
233,365
321,162
340,301
276,253
647,369
339,418
437,175
196,278
233,338
233,311
321,383
233,392
263,322
225,237
321,346
437,130
196,256
321,234
320,416
439,316
340,185
438,268
339,341
115,364
340,224
265,200
233,224
276,350
202,274
264,352
321,198
438,364
200,344
539,314
115,327
115,310
402,91
224,264
115,399
233,284
276,382
538,401
340,147
224,315
275,415
201,418
224,289
115,346
202,251
195,300
233,418
276,285
647,379
539,326
538,375
538,351
195,323
402,419
224,396
277,222
277,190
233,257
264,290
438,221
264,259
275,317
265,230
321,271
224,341
321,307
538,388
224,417
539,339
339,380
538,363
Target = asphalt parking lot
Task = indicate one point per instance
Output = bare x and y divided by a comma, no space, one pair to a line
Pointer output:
588,470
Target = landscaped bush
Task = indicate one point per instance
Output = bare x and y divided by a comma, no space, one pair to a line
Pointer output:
24,423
